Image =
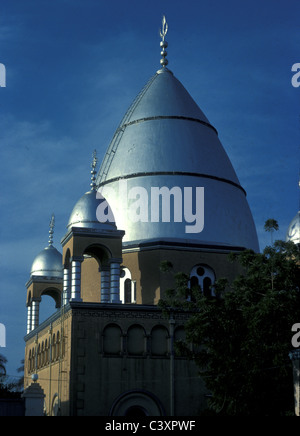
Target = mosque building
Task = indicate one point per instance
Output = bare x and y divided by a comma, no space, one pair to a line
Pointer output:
166,191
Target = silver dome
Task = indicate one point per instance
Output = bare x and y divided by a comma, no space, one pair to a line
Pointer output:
84,214
165,140
293,232
48,263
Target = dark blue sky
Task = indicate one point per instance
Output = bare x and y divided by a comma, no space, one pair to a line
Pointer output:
74,67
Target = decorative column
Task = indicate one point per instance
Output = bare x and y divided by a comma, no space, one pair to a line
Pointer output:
29,318
115,281
105,283
35,314
67,286
76,279
133,283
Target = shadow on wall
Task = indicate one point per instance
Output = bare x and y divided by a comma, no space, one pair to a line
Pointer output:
149,265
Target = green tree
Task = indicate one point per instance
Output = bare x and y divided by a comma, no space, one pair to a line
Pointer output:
3,362
8,387
271,225
19,383
244,334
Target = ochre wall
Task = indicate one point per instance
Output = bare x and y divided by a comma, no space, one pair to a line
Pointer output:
151,283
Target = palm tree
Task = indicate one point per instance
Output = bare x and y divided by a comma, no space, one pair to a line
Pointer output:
270,226
3,362
20,383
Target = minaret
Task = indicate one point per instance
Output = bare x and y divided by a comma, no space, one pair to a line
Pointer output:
46,278
92,235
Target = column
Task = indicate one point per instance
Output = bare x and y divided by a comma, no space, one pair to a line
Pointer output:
115,282
29,318
67,286
35,314
133,284
105,283
76,279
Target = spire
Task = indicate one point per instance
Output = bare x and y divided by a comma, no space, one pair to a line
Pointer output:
163,43
94,172
51,230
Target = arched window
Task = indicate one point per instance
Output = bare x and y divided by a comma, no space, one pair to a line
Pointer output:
46,353
53,348
204,277
32,367
127,287
43,354
207,291
194,281
159,341
57,345
34,362
112,340
29,362
39,356
127,291
136,340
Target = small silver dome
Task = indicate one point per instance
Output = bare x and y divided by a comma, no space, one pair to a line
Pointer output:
92,212
293,232
48,264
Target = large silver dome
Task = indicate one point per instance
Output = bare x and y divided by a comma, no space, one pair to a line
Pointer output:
293,232
48,263
165,140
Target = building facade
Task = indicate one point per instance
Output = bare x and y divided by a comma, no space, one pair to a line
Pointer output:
166,191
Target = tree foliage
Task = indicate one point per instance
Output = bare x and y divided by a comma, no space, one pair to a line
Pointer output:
3,362
243,335
8,388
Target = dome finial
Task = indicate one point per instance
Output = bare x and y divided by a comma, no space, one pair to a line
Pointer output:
94,172
51,230
163,43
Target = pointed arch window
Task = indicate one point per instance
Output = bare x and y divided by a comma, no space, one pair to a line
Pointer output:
127,291
127,287
202,276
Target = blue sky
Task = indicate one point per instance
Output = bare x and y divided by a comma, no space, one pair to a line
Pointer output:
73,68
